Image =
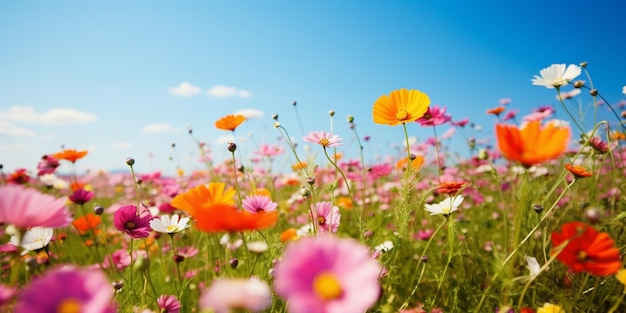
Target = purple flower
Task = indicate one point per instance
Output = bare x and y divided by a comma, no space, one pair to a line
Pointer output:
168,304
327,274
258,203
328,216
323,139
81,196
137,226
67,289
434,116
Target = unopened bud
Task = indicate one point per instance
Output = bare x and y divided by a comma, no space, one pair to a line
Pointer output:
98,210
593,215
310,180
331,113
368,233
294,103
276,124
233,262
130,161
538,208
350,119
117,285
593,92
583,64
483,155
232,147
579,84
178,258
275,116
304,191
412,156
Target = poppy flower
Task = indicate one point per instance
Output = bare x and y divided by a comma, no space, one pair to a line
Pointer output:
578,171
400,106
87,223
586,250
70,155
230,122
531,144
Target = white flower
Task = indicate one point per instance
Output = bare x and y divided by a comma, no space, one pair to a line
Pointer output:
54,181
34,239
446,206
168,225
385,246
533,266
257,246
556,75
624,90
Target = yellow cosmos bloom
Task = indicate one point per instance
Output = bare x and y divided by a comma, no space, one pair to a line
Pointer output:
400,106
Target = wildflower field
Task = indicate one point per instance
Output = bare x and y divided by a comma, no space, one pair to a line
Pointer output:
533,221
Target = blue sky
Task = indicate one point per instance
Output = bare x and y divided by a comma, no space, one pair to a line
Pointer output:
106,76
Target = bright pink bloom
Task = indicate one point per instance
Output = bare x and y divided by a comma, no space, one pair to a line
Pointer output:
67,289
81,196
328,216
137,226
258,203
324,139
461,123
47,165
434,116
226,295
326,274
168,304
26,207
120,259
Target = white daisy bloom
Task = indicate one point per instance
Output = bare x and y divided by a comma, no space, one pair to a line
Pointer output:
533,266
385,246
445,207
168,225
556,75
34,239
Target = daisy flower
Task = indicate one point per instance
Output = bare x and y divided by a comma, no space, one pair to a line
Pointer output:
168,225
26,207
327,274
324,139
556,75
34,239
445,207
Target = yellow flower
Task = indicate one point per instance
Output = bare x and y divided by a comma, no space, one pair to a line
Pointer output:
621,276
550,308
400,106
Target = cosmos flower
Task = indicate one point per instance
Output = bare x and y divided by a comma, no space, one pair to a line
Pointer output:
401,106
67,289
47,165
556,75
327,274
434,116
323,139
227,295
81,196
34,239
258,203
128,221
168,225
70,155
26,207
230,122
194,200
328,216
87,223
496,111
531,144
168,304
19,177
586,250
446,206
577,171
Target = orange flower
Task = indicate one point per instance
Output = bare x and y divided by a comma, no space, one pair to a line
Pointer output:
230,122
288,234
87,223
400,106
415,163
577,171
299,166
451,187
496,111
531,144
586,249
617,136
345,202
197,200
70,155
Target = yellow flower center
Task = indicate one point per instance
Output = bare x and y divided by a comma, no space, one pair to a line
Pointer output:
582,255
69,306
171,228
324,142
327,287
321,220
402,115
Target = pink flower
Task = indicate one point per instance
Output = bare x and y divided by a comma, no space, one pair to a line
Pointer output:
225,295
81,196
47,165
328,216
258,203
324,139
270,150
434,116
136,226
328,275
25,207
168,304
120,258
67,289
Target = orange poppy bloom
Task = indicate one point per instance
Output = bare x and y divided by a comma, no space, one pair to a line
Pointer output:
230,122
415,163
496,111
400,106
586,250
70,155
197,200
578,171
87,223
532,144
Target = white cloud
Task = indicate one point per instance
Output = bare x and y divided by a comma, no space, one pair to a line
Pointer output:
7,129
221,91
121,145
251,113
56,116
159,128
185,90
15,147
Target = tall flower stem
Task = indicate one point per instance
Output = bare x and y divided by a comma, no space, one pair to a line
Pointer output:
174,253
340,172
450,253
236,179
558,92
408,146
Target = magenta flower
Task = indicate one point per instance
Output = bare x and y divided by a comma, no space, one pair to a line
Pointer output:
47,165
120,259
168,304
327,274
328,216
136,226
434,116
25,208
81,196
324,139
226,295
258,203
67,289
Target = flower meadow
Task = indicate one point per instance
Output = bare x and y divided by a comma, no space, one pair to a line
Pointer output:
532,220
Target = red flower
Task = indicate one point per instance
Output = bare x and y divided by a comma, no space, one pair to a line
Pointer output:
586,249
19,177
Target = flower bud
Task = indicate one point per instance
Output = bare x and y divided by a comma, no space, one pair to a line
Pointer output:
294,103
583,64
304,191
593,215
98,210
178,258
538,208
232,147
350,119
331,113
579,84
593,92
233,262
117,285
130,161
275,116
310,180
